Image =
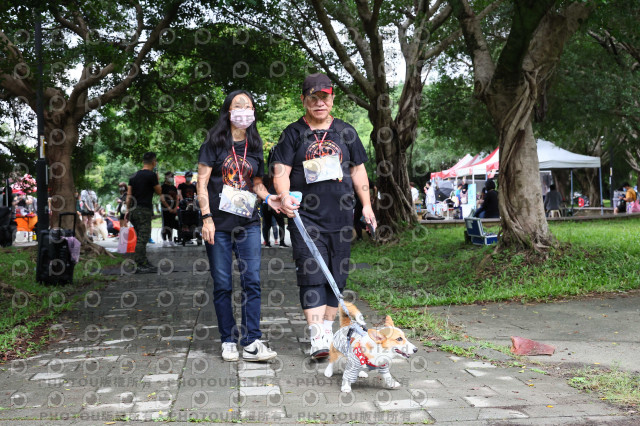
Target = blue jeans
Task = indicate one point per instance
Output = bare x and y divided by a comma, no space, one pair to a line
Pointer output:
245,243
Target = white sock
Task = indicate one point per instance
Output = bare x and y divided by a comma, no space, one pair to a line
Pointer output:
328,326
315,331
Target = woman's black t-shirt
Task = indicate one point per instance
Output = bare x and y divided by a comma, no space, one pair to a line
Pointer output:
225,172
328,205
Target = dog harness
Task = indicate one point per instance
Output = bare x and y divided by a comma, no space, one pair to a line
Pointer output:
356,361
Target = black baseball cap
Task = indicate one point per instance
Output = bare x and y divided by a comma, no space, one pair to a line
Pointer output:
317,82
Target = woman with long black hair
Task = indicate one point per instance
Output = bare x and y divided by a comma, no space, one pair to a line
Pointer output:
230,171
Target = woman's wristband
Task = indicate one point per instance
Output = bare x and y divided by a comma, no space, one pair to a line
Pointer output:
266,200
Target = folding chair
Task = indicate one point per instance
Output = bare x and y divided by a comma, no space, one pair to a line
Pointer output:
476,233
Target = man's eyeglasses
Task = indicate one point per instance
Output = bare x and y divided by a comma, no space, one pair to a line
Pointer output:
320,96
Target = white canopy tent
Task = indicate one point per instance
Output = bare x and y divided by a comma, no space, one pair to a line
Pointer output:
551,156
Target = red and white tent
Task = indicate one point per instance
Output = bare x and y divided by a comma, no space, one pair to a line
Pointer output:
447,173
479,168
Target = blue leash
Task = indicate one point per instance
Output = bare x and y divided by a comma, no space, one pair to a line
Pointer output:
360,329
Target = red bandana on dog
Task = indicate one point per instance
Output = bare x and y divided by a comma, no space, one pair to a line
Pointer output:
364,360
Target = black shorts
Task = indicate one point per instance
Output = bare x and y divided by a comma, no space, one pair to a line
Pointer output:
86,212
335,248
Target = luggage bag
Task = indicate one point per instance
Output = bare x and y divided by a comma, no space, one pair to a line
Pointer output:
55,265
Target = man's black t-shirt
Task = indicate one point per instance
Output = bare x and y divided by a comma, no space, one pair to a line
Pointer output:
327,205
171,193
188,190
225,172
142,184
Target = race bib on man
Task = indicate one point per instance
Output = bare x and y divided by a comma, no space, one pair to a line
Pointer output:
322,168
236,201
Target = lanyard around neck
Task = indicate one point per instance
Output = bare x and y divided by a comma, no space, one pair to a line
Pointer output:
316,136
244,160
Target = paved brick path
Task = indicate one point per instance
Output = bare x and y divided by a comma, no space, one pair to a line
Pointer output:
147,347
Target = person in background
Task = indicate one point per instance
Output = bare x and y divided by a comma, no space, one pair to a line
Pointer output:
430,197
121,201
271,219
553,202
415,194
187,189
169,221
630,197
464,194
142,185
89,206
489,208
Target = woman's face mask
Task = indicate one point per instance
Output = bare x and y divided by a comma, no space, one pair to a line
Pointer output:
242,118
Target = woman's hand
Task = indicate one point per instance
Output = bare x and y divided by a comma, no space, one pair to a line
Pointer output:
369,217
274,203
288,204
208,231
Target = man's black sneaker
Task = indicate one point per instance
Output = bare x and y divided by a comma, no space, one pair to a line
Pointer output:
146,269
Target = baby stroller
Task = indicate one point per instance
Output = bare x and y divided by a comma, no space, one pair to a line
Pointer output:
189,226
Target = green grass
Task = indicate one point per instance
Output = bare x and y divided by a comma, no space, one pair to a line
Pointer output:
434,267
618,387
29,305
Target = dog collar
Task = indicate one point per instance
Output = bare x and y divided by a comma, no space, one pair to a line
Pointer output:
364,360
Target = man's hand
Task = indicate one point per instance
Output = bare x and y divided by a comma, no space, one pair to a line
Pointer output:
288,204
369,217
208,231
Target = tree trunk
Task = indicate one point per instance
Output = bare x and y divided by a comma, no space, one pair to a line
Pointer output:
524,225
395,207
61,140
60,144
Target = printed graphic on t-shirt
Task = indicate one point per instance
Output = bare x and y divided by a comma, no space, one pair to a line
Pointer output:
320,149
230,175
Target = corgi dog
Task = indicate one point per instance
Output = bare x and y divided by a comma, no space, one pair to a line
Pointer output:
372,351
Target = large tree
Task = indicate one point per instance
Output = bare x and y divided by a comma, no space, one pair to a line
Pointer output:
346,40
108,44
509,87
615,30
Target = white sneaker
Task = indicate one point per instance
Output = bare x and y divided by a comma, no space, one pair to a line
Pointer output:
166,243
230,351
257,351
319,347
172,243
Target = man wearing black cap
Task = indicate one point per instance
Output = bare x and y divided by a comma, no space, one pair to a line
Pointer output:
323,158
